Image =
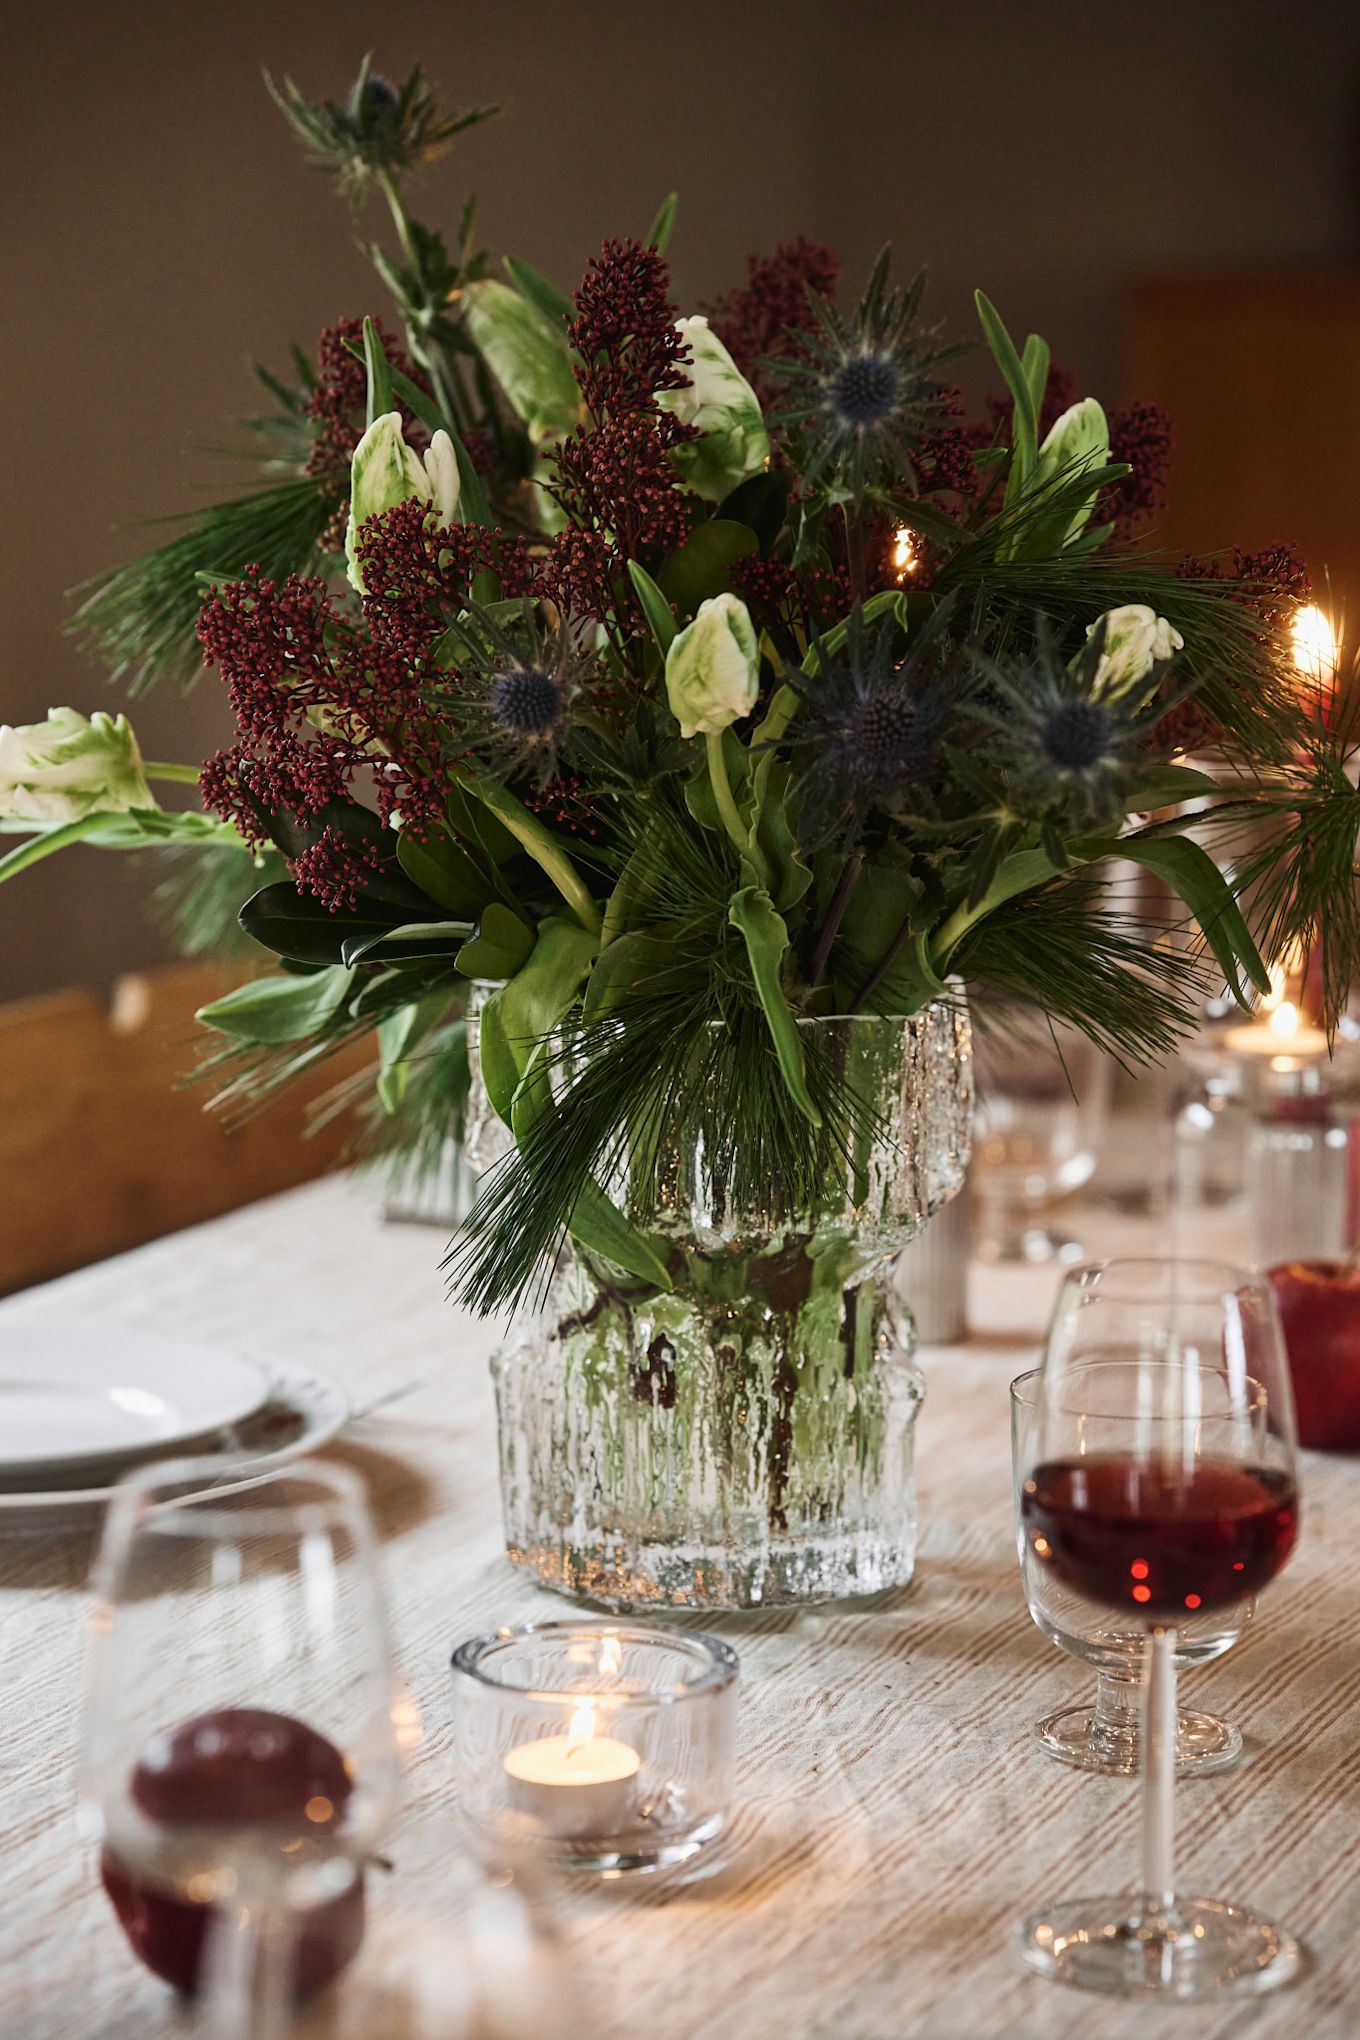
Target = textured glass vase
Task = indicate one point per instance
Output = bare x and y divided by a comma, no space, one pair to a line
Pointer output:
746,1438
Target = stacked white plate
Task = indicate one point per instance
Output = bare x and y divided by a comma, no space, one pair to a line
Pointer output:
80,1404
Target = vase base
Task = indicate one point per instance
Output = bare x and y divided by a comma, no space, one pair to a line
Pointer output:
667,1576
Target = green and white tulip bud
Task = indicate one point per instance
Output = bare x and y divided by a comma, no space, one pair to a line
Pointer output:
529,358
70,766
386,471
1136,639
713,668
1077,442
720,403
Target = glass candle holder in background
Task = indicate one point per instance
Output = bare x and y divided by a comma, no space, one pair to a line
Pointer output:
604,1746
1267,1149
1041,1107
1105,1733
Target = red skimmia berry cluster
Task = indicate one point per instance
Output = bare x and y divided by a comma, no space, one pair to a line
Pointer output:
1272,582
1140,436
762,321
615,477
321,705
337,402
416,572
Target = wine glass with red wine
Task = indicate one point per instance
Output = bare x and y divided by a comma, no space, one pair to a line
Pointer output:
1160,1487
241,1758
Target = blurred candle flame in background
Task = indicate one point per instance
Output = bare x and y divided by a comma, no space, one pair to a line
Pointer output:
905,558
1317,647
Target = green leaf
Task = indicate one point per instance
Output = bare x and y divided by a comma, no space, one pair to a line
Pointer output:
762,503
555,306
299,926
659,232
379,374
1025,428
273,1009
48,842
499,1067
833,640
701,567
1167,786
1191,872
412,939
655,607
444,870
501,946
530,1005
753,914
1034,363
398,1033
628,963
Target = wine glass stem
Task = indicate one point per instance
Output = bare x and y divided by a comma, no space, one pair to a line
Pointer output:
1159,1772
248,1974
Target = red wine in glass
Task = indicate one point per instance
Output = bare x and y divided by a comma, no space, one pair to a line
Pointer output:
1157,1537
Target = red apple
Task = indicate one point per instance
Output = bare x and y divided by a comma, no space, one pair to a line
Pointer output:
1319,1303
242,1763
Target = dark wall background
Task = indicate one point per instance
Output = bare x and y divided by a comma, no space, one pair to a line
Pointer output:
160,229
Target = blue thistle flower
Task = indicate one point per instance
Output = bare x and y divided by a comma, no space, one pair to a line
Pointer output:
863,392
870,732
513,686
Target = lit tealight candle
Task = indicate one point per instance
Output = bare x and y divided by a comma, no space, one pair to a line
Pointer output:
575,1785
1317,648
1281,1033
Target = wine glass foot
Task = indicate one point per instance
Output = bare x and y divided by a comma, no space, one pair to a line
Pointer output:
1201,1950
1079,1737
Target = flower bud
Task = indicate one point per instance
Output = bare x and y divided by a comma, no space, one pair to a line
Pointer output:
1136,639
713,668
1076,442
68,767
528,357
720,403
386,471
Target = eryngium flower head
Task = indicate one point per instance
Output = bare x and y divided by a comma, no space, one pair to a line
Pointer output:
868,736
1067,739
512,683
861,393
381,129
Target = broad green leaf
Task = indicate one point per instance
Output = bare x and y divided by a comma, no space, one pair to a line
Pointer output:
501,946
701,568
410,940
274,1009
499,1068
1191,872
444,871
655,607
297,925
529,1006
1034,363
555,306
1168,786
834,640
753,914
629,962
1025,428
379,374
399,1033
762,503
789,875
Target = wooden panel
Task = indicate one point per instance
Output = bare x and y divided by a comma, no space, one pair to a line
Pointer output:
103,1144
1259,374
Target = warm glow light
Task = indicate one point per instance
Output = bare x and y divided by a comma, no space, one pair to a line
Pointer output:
611,1657
582,1730
1317,647
1284,1021
905,558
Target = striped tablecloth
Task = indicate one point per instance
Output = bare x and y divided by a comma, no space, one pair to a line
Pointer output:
893,1817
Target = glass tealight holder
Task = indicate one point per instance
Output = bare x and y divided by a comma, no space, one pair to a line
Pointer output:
607,1747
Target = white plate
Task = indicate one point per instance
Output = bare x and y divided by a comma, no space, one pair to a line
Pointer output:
77,1393
303,1412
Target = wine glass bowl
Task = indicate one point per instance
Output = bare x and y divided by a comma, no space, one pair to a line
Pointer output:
240,1759
1104,1734
1159,1488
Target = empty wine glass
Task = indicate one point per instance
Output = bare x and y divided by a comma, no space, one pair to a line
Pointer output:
1105,1733
1040,1115
1160,1485
240,1759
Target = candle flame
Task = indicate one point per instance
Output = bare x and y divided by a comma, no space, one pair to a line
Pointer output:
1317,647
1284,1021
582,1730
905,558
611,1657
